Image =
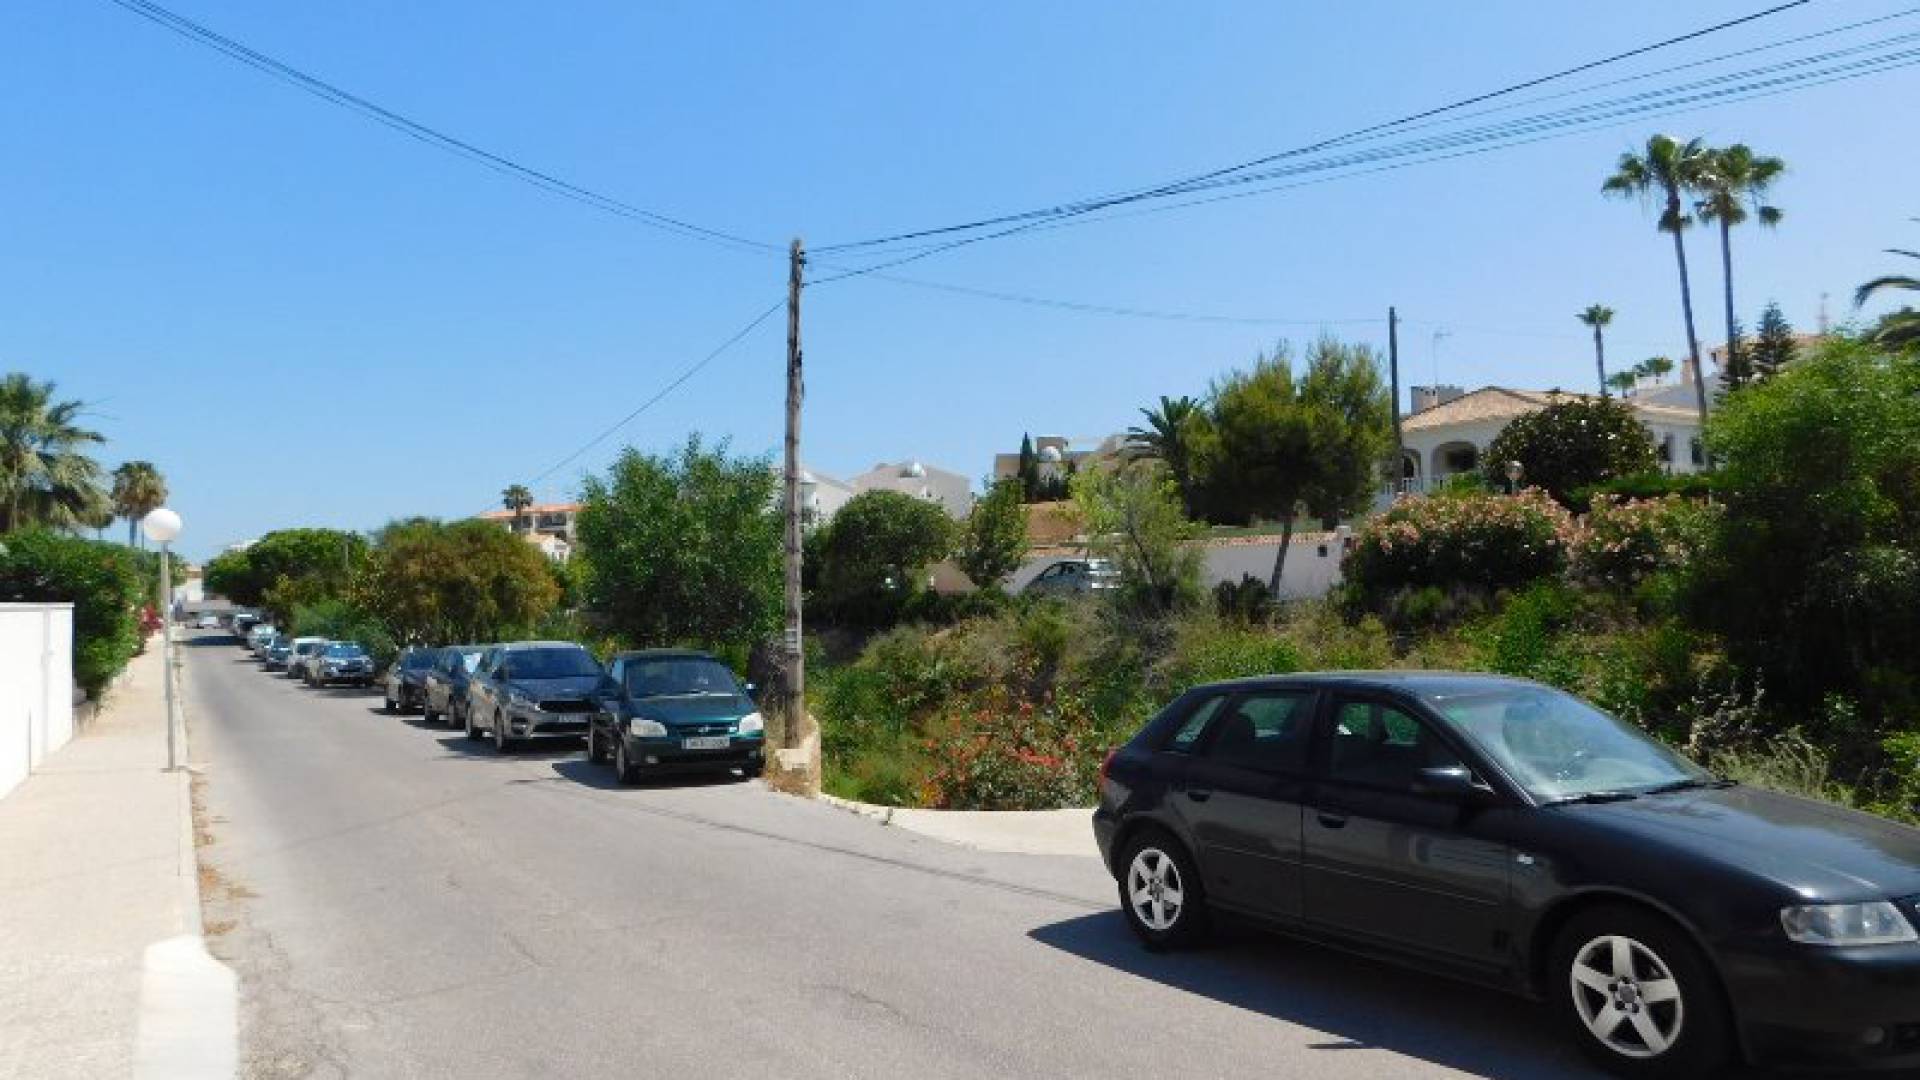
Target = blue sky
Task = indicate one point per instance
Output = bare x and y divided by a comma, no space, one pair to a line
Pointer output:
304,318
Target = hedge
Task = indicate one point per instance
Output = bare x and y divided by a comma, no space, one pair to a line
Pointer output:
104,582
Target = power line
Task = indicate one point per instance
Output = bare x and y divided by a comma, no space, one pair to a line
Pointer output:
1089,205
1493,137
328,92
674,384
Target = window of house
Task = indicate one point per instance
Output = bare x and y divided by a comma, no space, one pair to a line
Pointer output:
1699,452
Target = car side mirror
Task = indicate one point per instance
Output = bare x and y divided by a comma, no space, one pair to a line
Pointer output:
1454,783
753,691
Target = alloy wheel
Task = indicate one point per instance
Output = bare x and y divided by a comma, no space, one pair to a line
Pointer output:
1155,890
1627,996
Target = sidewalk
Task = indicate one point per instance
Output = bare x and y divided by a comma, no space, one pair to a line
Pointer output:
102,969
1018,832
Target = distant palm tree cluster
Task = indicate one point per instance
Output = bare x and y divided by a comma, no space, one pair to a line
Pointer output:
48,479
1691,182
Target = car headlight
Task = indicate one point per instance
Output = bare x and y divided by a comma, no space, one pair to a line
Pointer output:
1874,923
752,724
642,728
518,697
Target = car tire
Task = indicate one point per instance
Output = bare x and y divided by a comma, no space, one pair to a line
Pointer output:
466,721
596,754
624,772
503,743
390,706
754,772
1686,1030
427,716
1161,893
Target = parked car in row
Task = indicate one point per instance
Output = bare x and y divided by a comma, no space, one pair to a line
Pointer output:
530,690
406,678
258,637
340,662
1072,577
305,649
1506,832
445,685
275,658
666,710
207,622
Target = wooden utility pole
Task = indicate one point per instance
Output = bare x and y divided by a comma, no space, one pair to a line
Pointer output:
793,686
1393,375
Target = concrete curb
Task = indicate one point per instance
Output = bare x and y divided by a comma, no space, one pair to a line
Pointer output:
1015,832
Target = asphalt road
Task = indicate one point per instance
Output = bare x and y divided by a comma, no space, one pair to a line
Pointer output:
401,902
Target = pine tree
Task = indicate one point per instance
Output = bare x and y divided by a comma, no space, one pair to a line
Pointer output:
1737,371
1774,348
1029,470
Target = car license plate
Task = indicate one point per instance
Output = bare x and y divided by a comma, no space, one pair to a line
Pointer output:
705,742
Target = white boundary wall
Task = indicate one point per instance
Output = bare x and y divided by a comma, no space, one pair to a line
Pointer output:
36,686
1313,565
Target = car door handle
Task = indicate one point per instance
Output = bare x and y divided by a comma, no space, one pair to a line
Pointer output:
1333,821
1199,794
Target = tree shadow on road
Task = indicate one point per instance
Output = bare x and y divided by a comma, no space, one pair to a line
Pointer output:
1359,1003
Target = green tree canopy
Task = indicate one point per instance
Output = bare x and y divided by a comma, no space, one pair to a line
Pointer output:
873,552
993,539
1134,519
285,569
683,548
1277,446
462,581
1814,578
1571,444
1170,434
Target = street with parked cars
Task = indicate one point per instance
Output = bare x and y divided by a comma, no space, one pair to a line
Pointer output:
1489,830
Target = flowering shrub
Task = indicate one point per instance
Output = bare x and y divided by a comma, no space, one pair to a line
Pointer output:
998,754
1620,542
1468,541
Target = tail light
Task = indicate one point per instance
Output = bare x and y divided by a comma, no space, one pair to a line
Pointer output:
1106,765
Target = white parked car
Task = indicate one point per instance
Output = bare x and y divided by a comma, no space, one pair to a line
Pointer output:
305,652
208,622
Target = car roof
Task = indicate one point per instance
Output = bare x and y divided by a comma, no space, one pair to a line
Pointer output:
1414,681
517,646
664,654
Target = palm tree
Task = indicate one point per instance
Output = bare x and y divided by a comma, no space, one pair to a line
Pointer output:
1168,437
1598,316
517,498
1901,328
1656,368
1668,168
138,489
1735,179
45,477
1624,381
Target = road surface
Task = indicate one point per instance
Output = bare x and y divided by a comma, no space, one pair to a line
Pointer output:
400,902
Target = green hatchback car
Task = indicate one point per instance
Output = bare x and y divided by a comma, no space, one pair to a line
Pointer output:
671,711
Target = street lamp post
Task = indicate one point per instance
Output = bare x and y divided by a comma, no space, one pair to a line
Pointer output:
1513,477
161,526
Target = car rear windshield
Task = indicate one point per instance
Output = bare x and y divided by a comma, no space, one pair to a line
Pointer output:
552,663
346,651
679,676
420,658
1558,746
470,659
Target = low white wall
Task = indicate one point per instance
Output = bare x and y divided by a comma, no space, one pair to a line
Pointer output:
1313,565
36,686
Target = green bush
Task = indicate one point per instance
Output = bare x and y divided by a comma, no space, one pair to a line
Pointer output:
1003,754
1457,542
104,583
1571,444
1206,650
1618,543
1648,485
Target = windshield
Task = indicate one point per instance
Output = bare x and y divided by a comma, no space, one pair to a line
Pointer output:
679,676
346,651
307,648
551,664
470,659
419,658
1559,747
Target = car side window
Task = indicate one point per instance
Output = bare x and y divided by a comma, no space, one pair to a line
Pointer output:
1379,745
1265,730
1187,735
616,674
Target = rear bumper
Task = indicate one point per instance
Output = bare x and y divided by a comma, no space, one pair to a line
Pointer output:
1105,828
1809,1007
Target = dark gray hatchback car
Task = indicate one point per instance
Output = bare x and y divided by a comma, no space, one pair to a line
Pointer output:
531,690
1503,831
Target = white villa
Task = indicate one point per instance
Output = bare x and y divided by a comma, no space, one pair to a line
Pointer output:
951,490
1450,428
